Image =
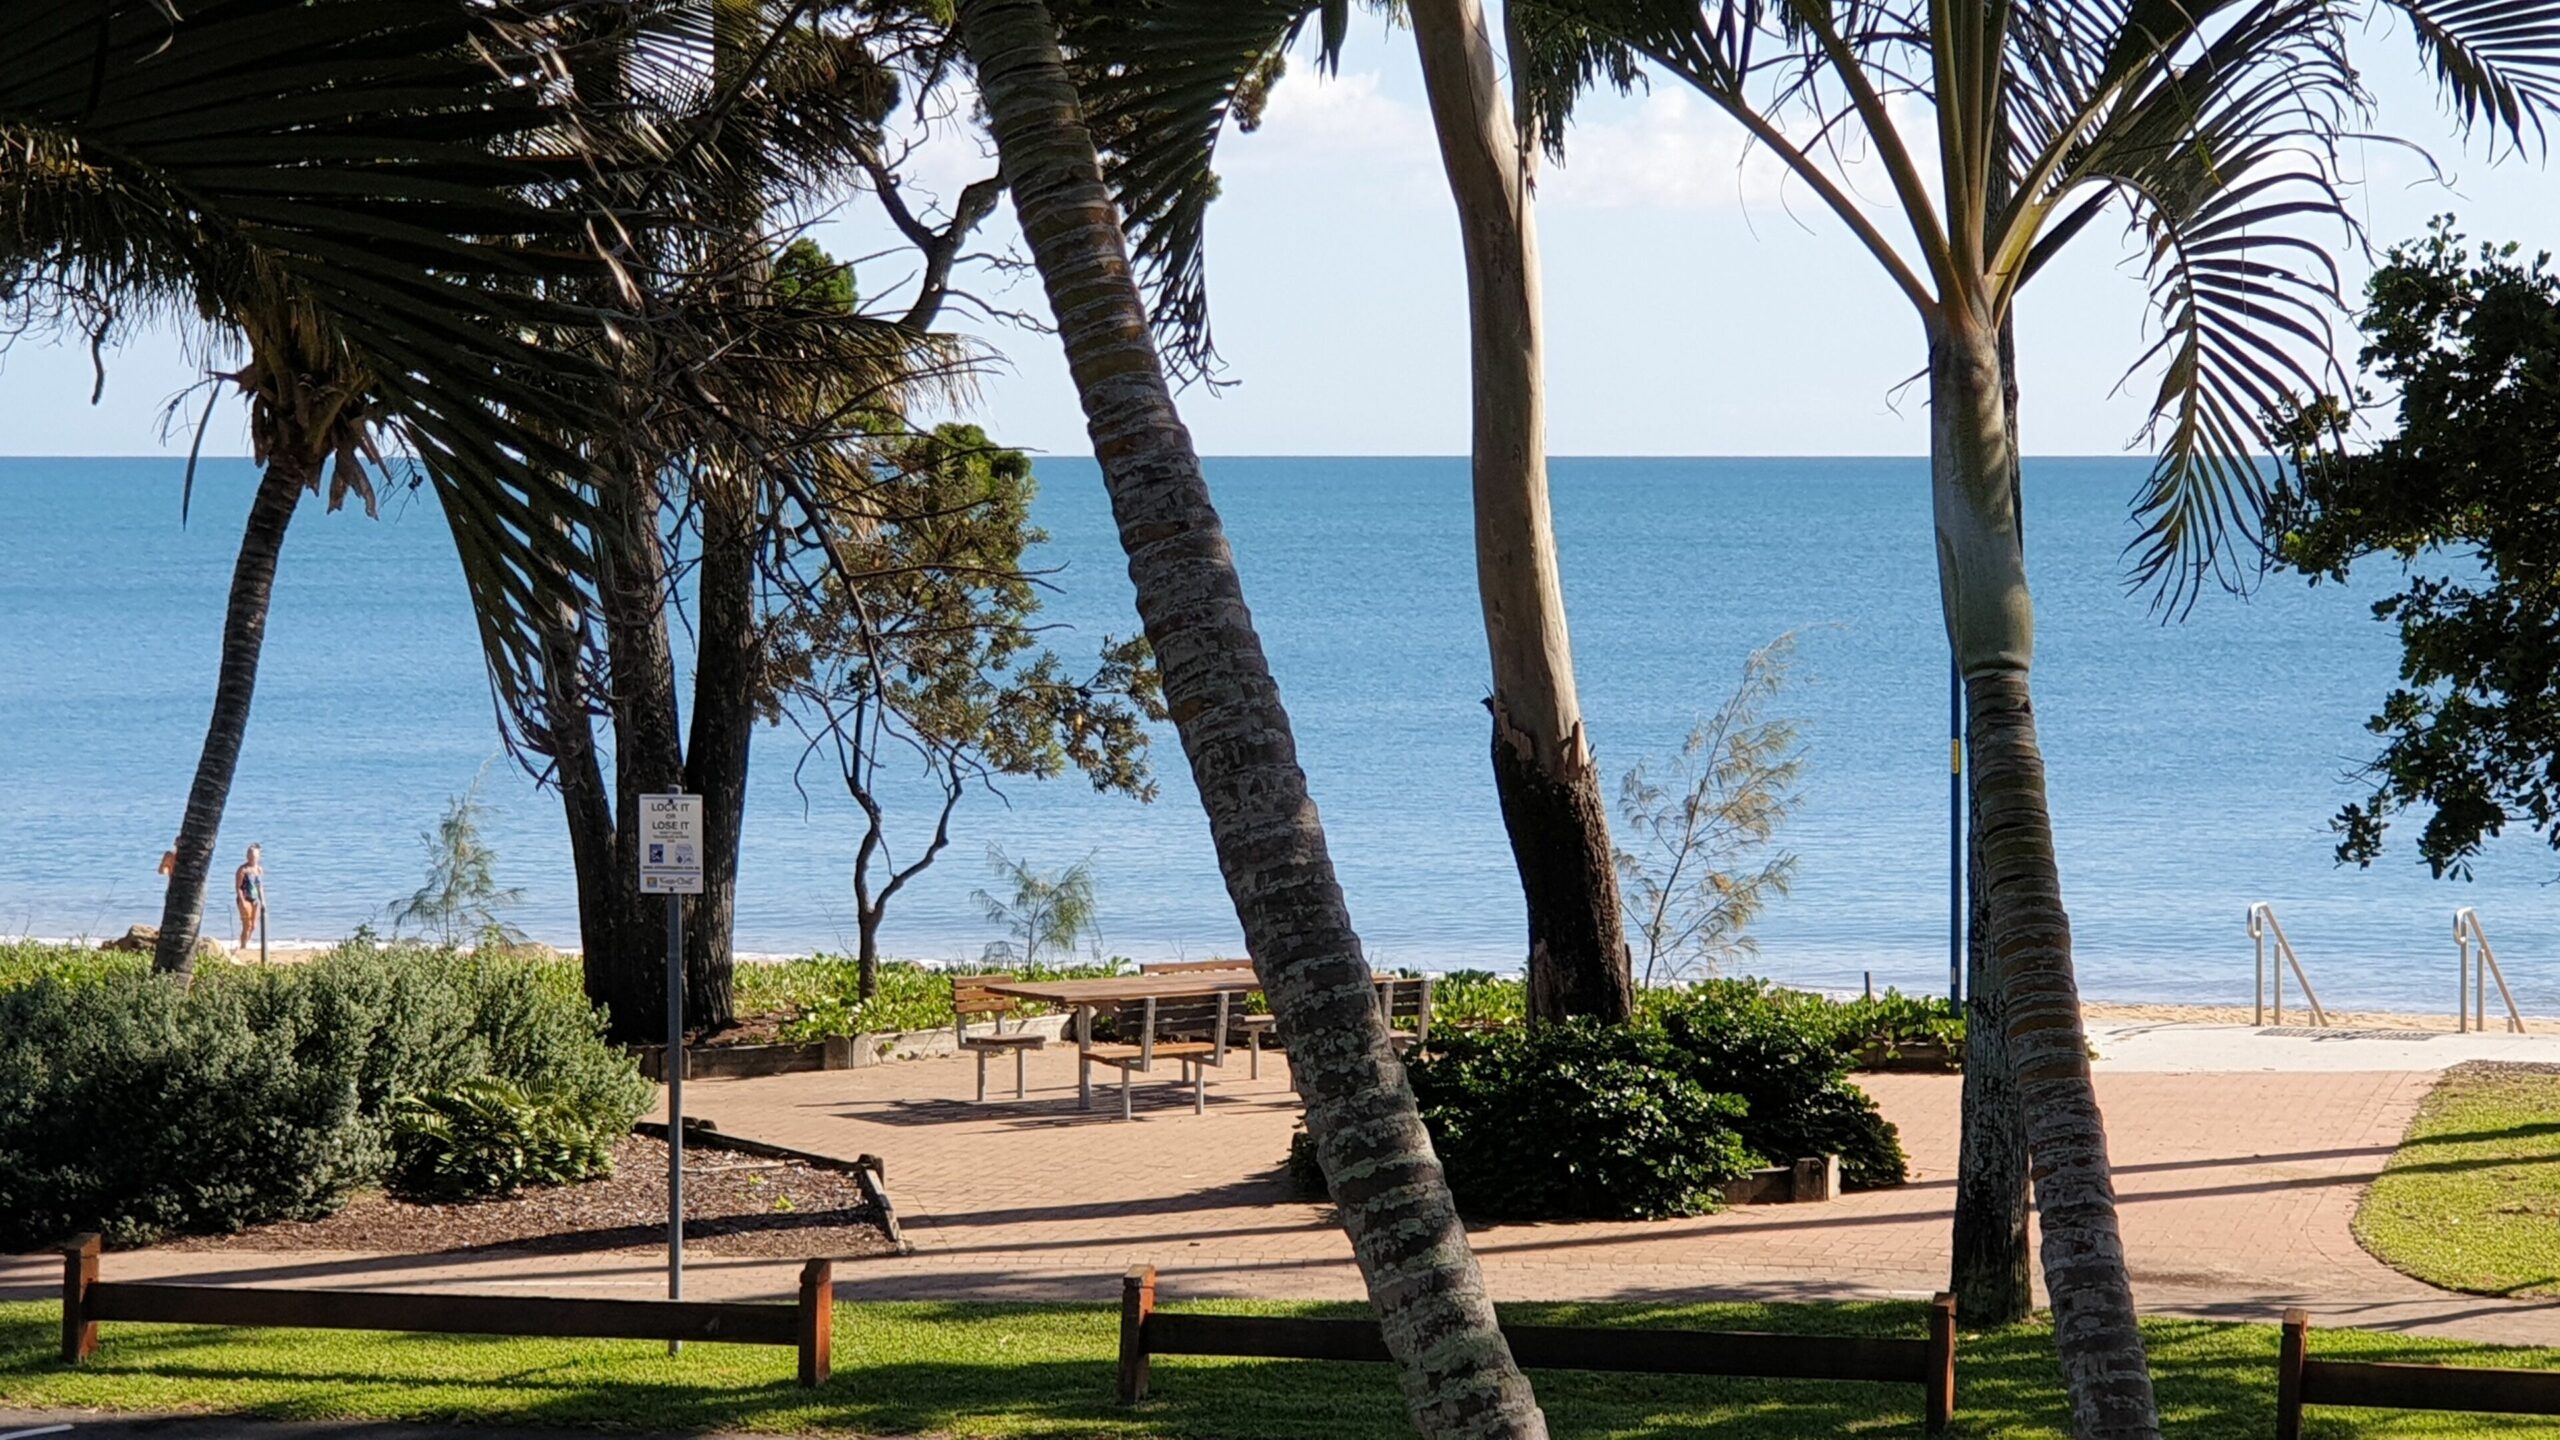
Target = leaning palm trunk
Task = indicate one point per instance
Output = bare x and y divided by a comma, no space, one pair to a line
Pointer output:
1542,770
1458,1375
1991,1270
244,634
1990,619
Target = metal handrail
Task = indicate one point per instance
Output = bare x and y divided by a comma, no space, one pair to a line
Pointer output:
2258,933
2471,982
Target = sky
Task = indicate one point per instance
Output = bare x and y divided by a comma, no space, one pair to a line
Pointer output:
1698,302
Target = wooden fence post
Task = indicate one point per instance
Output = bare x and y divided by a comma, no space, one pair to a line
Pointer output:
817,1322
1137,1302
79,1272
2290,1354
1940,1410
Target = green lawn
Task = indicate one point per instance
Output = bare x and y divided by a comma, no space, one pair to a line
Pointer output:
1002,1370
2471,1201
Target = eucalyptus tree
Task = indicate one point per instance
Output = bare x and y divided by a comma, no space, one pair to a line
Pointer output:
1458,1374
1579,962
356,189
2216,127
1167,80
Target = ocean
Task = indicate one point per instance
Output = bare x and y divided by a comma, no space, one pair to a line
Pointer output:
2194,764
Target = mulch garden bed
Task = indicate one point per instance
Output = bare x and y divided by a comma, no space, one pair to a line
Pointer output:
734,1204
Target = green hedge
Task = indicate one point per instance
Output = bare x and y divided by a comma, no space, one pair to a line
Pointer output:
822,997
1650,1119
135,1107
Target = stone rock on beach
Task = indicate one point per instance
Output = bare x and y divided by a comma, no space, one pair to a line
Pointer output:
143,939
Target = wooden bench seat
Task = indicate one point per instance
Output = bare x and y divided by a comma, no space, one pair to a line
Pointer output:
1190,1032
971,997
1250,1029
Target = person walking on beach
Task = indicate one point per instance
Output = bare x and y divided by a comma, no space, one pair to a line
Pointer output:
249,888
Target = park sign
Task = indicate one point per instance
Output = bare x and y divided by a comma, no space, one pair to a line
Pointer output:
670,844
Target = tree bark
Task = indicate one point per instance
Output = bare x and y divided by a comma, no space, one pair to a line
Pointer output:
1990,621
1543,774
1439,1325
724,726
244,634
1991,1274
606,921
648,756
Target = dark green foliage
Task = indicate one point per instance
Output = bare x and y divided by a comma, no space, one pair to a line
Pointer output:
1585,1121
1577,1120
486,1138
1792,1072
2468,486
134,1107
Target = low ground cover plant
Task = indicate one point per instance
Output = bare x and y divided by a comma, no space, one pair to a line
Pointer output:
139,1108
823,998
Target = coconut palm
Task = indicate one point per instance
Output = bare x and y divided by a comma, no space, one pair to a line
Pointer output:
350,187
2213,123
1394,1201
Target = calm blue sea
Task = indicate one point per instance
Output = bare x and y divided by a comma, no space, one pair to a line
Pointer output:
2193,765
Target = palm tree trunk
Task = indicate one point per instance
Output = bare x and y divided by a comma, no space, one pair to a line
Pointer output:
1542,769
244,633
1458,1376
1990,620
1991,1274
1991,1278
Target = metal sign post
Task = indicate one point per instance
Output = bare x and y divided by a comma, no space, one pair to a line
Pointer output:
671,865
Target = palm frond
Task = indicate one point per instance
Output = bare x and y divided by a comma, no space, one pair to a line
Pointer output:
400,172
1160,80
2497,60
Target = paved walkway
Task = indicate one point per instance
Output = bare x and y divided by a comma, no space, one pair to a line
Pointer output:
2153,1046
2237,1187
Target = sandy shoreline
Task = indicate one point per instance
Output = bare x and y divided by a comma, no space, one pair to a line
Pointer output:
2295,1014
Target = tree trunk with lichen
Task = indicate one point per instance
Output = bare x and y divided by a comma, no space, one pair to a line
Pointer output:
1439,1325
1543,775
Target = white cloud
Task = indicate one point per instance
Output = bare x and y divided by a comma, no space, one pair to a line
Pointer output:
1666,151
1335,130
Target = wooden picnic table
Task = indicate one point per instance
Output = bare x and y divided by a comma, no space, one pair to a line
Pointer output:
1086,996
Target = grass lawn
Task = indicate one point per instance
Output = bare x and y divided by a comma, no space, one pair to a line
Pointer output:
1002,1370
2471,1201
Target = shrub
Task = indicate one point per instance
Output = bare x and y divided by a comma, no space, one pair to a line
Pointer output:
1577,1120
1786,1059
138,1108
486,1138
24,962
825,1002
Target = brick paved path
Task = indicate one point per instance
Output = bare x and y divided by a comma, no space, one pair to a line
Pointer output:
2237,1193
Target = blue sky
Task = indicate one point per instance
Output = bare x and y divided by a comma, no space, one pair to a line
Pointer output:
1697,302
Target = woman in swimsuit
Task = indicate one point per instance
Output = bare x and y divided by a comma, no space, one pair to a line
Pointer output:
249,890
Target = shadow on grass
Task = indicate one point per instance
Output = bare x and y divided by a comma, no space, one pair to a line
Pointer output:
978,1369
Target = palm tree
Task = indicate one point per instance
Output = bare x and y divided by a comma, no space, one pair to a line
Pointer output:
2213,122
269,168
1542,769
1163,82
1394,1200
